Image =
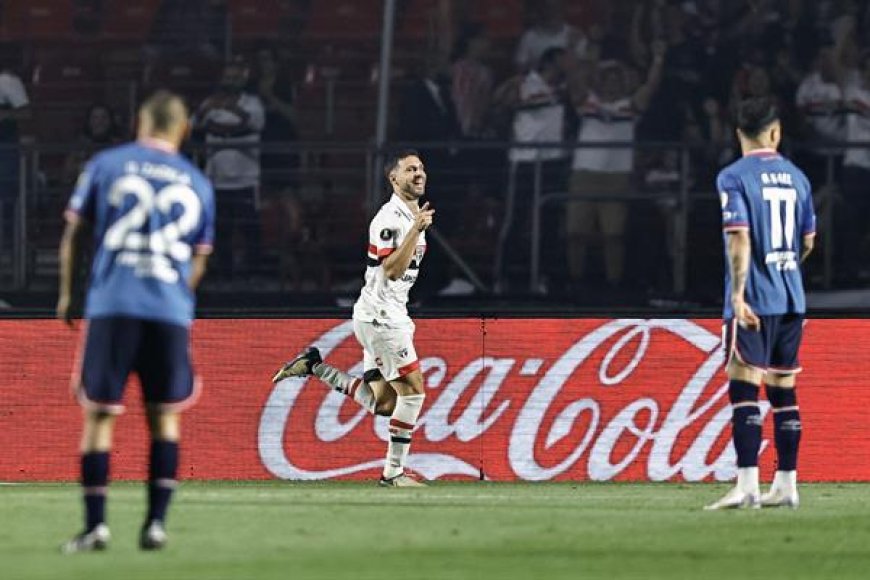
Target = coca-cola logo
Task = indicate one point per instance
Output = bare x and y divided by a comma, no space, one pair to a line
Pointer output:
629,395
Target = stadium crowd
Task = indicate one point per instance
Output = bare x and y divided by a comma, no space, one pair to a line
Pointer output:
642,73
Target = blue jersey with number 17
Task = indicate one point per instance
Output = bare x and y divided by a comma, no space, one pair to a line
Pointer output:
151,210
766,194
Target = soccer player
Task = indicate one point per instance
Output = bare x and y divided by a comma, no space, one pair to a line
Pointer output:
392,384
152,218
769,227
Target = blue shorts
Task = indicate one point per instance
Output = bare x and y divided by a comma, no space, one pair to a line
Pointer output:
774,348
157,352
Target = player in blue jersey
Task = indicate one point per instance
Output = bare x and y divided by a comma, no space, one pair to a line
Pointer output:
151,214
769,227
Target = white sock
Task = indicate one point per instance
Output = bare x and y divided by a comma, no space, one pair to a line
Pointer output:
355,388
747,479
785,480
402,423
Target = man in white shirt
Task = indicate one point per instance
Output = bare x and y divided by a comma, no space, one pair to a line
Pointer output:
608,113
232,120
539,117
854,217
392,384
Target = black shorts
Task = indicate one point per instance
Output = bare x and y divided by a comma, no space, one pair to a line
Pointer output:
774,348
157,352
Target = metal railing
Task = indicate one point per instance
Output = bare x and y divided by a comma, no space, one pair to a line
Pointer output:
347,169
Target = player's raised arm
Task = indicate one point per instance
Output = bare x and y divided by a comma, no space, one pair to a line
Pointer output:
644,94
397,262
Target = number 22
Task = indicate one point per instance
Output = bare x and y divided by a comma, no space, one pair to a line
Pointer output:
166,240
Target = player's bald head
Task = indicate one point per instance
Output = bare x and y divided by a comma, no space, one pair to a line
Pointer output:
163,113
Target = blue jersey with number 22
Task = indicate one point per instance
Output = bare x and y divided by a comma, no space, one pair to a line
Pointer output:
770,197
151,210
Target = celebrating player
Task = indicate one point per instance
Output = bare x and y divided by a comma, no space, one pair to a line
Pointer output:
392,384
152,214
769,224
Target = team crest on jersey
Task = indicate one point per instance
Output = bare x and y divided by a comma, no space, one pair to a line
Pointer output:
379,362
403,353
386,234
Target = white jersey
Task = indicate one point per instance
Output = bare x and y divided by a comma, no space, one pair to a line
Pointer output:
605,121
382,299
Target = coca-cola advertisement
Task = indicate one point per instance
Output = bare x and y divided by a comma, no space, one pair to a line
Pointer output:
507,400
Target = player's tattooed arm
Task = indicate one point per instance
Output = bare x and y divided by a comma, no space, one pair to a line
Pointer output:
739,247
397,263
69,254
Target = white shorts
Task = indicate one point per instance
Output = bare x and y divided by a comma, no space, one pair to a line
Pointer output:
387,348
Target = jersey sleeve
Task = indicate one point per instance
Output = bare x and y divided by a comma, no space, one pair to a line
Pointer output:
83,201
735,214
203,239
383,238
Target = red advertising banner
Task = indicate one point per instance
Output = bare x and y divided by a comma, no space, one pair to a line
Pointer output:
507,399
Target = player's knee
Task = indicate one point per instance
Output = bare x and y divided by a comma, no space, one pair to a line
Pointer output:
164,426
781,397
386,407
738,371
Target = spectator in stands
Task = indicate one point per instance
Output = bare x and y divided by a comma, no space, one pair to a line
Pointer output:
538,99
275,89
855,217
550,30
427,119
232,120
100,130
14,108
471,80
609,110
820,103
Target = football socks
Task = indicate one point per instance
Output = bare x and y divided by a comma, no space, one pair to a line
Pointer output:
402,423
95,480
786,426
745,422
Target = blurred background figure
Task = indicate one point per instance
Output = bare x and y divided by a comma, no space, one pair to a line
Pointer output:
232,120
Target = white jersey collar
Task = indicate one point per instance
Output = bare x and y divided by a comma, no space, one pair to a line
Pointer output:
402,206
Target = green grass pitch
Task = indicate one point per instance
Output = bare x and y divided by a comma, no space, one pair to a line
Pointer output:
450,530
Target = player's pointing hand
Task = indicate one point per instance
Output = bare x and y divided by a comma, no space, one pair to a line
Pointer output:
423,219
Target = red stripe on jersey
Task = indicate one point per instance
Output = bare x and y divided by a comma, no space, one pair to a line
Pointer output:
409,368
376,252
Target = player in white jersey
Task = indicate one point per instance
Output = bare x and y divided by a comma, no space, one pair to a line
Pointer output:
392,384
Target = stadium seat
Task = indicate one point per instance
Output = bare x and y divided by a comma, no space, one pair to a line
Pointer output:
262,19
129,21
36,20
344,19
503,18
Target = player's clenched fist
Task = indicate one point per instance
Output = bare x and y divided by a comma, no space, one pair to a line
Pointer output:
423,219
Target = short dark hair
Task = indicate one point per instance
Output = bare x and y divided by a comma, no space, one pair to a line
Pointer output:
756,113
550,56
164,107
392,160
